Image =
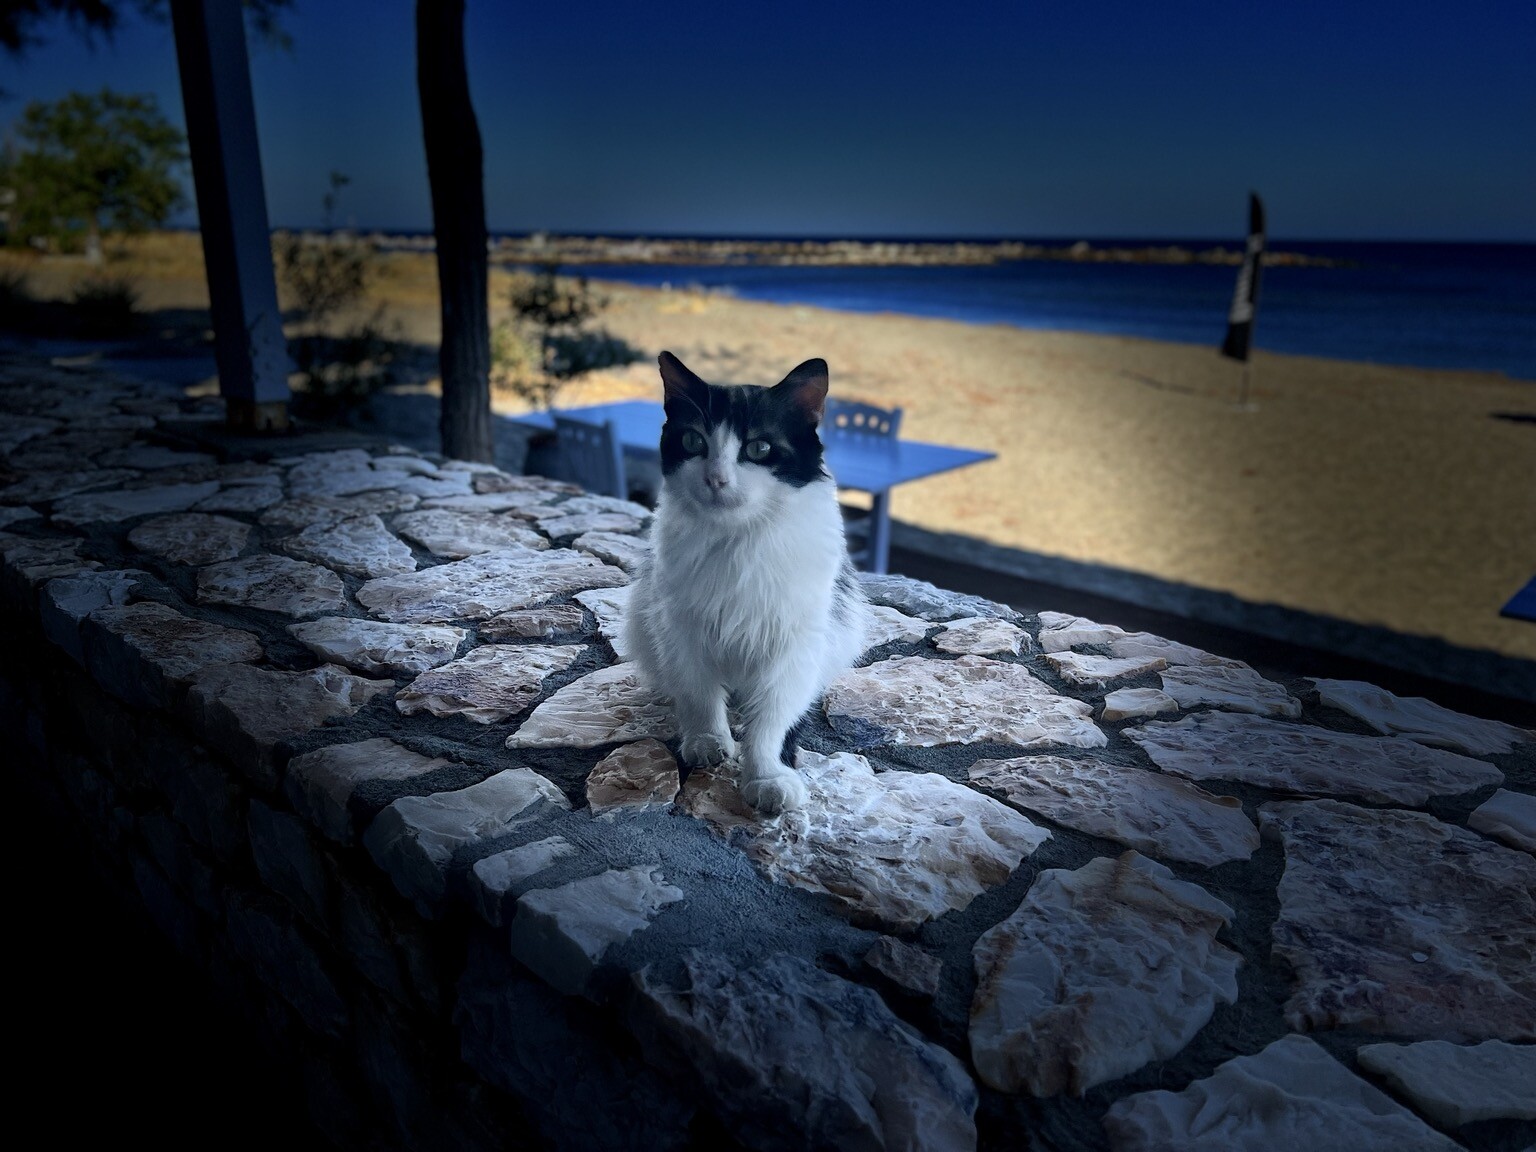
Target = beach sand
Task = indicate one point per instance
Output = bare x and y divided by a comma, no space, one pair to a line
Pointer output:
1382,495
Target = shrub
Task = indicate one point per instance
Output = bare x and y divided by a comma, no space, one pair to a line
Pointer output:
546,342
104,308
338,375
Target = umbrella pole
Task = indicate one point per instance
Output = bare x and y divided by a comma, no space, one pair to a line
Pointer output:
1242,397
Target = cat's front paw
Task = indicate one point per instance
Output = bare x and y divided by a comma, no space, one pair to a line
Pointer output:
707,749
780,792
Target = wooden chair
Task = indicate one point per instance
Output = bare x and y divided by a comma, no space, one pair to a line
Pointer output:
591,456
867,427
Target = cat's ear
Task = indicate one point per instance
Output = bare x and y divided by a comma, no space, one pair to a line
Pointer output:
806,388
680,386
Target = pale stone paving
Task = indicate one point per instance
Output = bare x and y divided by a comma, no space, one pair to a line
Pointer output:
897,848
1290,1095
1396,922
1388,921
1157,814
1098,972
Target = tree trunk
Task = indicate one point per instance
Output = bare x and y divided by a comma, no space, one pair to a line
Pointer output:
454,169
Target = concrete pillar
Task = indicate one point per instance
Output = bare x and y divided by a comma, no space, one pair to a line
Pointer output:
232,209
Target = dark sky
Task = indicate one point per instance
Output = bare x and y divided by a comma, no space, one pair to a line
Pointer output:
1410,119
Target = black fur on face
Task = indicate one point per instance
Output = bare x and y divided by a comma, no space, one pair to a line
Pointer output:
785,416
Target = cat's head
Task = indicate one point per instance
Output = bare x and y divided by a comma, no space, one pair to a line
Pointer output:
733,451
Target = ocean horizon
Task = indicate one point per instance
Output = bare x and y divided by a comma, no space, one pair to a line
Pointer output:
1468,306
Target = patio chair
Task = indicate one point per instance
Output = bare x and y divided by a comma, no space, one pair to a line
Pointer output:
864,426
591,455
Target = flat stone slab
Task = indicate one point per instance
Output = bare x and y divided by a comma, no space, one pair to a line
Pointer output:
792,1057
9,516
486,585
911,969
1456,1085
194,538
375,647
559,526
42,486
981,636
1507,816
891,625
1137,704
1098,972
148,457
329,509
895,849
493,877
1092,671
274,584
617,548
609,605
455,535
536,623
528,500
66,601
920,598
1233,686
1060,632
608,706
1290,1095
1153,813
242,498
32,560
1419,719
638,777
1307,759
126,503
489,683
416,838
248,713
1394,922
563,933
146,653
361,546
914,700
321,783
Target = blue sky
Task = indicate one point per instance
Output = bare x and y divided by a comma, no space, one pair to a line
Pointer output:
1355,120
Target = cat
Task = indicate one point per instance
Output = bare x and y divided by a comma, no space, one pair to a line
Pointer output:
749,598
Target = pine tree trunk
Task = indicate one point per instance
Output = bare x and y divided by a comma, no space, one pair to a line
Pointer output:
454,169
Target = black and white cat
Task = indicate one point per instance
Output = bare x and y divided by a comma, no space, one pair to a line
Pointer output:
749,598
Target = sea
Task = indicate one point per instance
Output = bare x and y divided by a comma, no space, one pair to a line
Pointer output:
1429,305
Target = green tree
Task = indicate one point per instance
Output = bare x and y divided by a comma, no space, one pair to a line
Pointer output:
93,162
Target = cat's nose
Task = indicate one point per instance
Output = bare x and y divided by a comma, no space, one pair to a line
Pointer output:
716,480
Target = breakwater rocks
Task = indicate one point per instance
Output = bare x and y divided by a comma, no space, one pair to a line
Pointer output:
545,248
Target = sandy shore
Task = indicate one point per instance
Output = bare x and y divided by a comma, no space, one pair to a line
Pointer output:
1385,496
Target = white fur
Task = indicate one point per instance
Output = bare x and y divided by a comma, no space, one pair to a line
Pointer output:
736,606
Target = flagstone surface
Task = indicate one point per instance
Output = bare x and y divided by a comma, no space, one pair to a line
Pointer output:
1098,972
1157,814
1292,1094
1307,759
278,752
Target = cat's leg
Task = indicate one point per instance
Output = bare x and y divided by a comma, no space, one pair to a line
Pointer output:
768,714
702,724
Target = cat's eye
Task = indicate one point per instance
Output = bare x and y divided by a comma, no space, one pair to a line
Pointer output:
693,443
758,450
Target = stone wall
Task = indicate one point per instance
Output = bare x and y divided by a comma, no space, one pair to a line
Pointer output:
350,726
